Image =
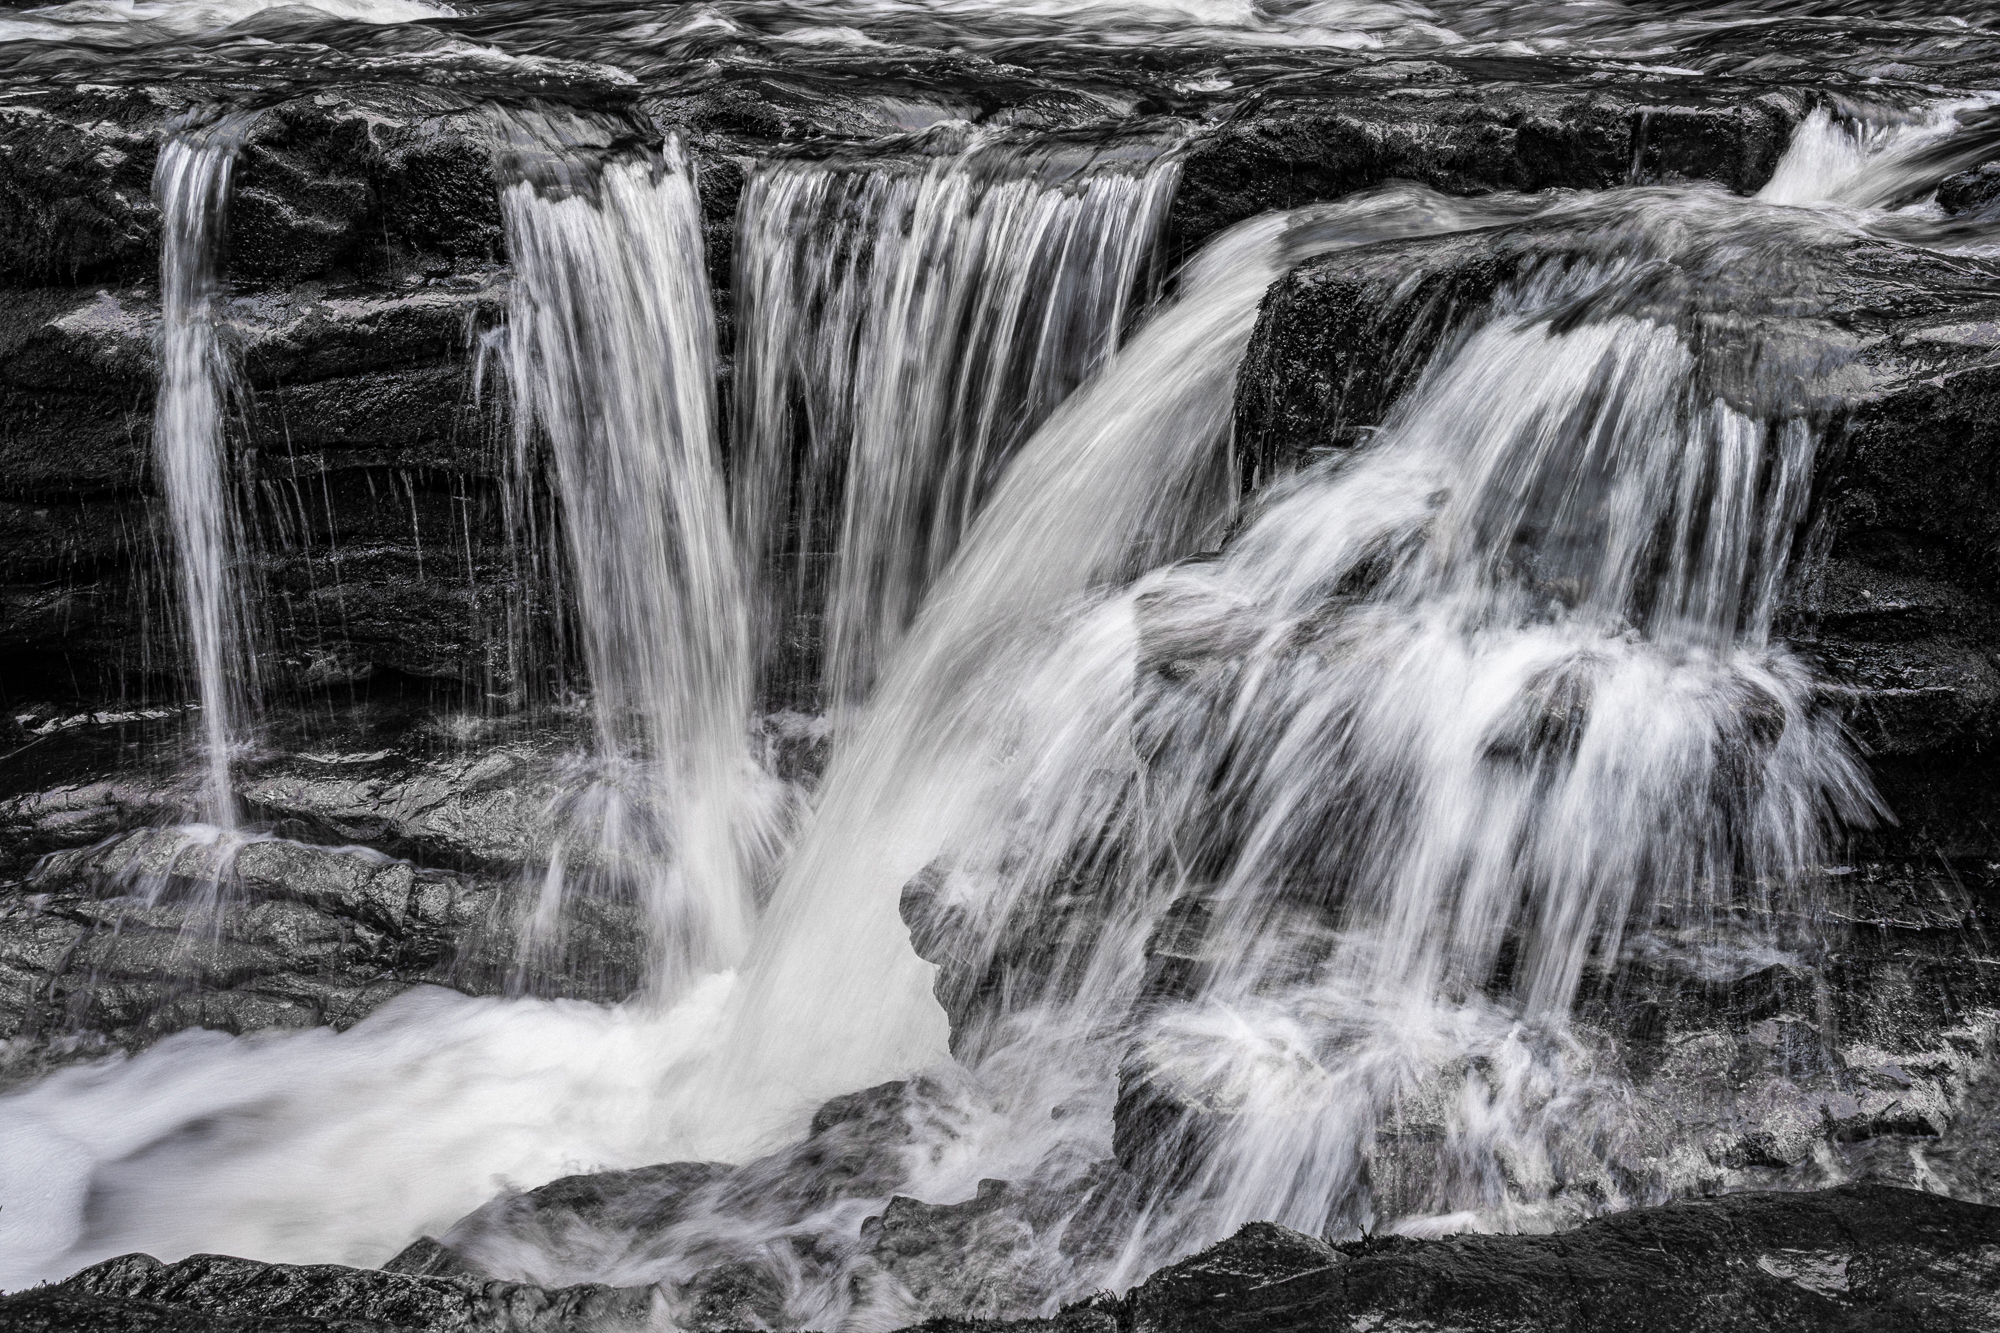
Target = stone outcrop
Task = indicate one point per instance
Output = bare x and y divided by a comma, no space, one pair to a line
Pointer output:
1851,1258
394,852
1429,123
1858,1257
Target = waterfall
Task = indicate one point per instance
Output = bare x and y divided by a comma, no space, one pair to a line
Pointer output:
1130,472
611,356
1441,728
191,183
1298,826
905,325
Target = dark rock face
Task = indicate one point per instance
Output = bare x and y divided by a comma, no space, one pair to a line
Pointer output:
282,935
362,252
117,929
1857,1257
77,202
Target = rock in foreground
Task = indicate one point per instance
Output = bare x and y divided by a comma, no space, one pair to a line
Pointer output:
1858,1257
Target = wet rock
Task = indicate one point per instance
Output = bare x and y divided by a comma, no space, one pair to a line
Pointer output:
76,174
371,489
369,472
1038,952
373,180
997,1254
1305,143
211,1291
1854,1257
1857,1257
1970,191
114,946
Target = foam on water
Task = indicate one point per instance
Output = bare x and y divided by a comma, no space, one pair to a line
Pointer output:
321,1146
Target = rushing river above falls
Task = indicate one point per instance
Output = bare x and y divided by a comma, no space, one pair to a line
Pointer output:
808,666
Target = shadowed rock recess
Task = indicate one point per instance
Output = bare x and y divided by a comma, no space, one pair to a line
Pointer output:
1077,668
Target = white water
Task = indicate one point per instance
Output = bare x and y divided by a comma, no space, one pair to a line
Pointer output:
904,326
1127,474
1551,707
611,350
190,450
1870,157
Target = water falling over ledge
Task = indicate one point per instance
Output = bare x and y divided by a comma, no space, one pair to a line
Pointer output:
190,445
610,354
905,325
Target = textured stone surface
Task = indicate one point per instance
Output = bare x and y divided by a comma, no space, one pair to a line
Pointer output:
1425,122
212,1291
1855,1258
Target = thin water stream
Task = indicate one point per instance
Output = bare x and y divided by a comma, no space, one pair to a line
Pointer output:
191,446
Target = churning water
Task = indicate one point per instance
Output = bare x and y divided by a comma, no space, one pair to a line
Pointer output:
1289,832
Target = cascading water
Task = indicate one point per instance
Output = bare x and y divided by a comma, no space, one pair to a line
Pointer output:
611,354
1297,853
905,325
1128,473
1444,723
190,450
